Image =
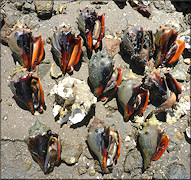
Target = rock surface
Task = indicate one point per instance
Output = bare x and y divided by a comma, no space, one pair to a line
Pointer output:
71,152
176,171
133,162
15,122
44,9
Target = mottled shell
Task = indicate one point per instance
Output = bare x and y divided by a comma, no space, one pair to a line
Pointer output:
20,86
27,89
15,43
55,48
138,42
56,42
84,15
44,146
125,92
105,142
94,137
100,68
38,128
129,40
148,141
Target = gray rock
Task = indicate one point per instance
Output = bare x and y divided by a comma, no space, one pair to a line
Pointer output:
19,5
117,172
44,9
5,32
9,7
87,153
129,143
176,171
43,69
173,146
157,175
179,75
187,19
11,15
164,5
27,8
30,20
133,161
71,152
32,8
11,19
178,72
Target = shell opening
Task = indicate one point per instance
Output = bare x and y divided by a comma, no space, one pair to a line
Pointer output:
112,148
77,116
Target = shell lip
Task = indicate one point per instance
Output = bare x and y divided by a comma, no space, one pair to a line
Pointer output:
139,98
169,46
110,147
28,89
106,143
109,87
88,28
45,149
138,44
155,148
27,49
66,49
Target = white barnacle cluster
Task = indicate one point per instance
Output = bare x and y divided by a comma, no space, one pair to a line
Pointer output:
73,100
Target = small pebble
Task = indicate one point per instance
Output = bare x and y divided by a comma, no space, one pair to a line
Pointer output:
70,177
127,138
5,118
87,166
82,170
48,40
187,61
28,164
178,135
9,102
116,172
72,160
129,133
187,98
84,159
109,36
57,176
92,172
106,106
109,115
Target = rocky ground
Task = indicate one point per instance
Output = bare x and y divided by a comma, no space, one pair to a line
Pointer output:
41,18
